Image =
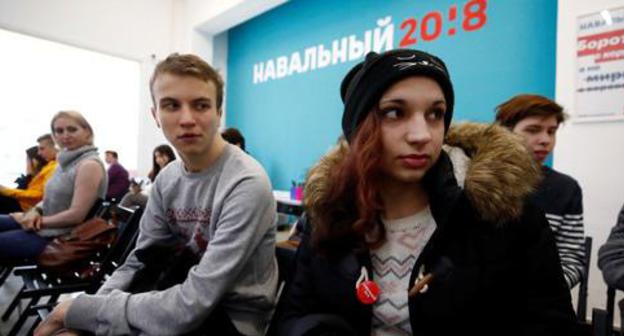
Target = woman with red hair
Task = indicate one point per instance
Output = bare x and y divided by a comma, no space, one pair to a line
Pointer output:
416,227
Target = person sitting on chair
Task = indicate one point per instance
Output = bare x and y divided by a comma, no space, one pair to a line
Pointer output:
29,190
77,182
407,236
118,182
215,203
161,157
611,255
235,137
537,120
135,196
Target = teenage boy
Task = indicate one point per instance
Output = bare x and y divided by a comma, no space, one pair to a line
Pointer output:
537,120
216,201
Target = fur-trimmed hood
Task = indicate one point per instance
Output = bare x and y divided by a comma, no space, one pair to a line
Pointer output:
490,163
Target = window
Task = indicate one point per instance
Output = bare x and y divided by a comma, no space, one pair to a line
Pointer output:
40,78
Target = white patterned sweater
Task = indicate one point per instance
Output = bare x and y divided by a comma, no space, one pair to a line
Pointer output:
392,266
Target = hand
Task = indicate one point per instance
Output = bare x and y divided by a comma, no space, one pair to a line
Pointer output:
54,324
30,221
17,216
34,224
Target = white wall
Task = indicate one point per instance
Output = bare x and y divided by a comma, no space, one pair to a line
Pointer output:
142,30
591,153
134,30
207,22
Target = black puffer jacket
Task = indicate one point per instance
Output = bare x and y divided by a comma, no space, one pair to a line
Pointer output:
505,276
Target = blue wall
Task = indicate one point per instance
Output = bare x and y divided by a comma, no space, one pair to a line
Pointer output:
290,122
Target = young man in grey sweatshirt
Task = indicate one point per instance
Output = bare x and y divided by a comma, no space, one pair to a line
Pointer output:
217,202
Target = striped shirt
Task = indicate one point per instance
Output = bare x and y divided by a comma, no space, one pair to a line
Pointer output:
561,198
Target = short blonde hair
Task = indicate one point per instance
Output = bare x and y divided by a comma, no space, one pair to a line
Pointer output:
78,118
188,65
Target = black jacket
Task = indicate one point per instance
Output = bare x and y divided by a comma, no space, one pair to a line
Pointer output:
505,276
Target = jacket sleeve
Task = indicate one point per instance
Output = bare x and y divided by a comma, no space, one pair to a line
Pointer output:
24,194
549,304
570,239
611,255
296,301
34,192
297,314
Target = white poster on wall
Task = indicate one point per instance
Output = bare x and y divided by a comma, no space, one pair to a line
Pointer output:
600,66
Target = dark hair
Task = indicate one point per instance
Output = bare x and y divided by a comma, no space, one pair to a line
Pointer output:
162,149
511,112
38,161
113,153
353,205
135,183
234,136
188,65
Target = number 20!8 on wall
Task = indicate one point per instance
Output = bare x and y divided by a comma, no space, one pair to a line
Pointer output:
432,24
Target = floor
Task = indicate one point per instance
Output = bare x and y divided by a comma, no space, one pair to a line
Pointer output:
7,292
13,284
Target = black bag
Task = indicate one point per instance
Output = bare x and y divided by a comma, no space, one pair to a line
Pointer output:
167,266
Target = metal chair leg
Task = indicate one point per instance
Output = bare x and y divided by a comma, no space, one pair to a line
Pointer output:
23,317
5,271
13,304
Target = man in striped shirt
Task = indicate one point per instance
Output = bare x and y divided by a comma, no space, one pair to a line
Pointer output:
537,119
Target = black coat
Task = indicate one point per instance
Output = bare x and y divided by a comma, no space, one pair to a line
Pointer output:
505,277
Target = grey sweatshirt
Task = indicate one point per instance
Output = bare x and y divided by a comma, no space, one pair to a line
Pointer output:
226,212
611,255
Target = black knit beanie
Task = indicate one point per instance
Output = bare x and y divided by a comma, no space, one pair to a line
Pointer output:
363,86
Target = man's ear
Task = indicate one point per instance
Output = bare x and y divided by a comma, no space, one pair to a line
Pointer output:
153,110
220,112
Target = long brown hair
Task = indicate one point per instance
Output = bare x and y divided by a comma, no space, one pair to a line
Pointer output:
163,149
353,204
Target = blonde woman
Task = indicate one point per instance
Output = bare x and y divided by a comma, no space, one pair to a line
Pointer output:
78,181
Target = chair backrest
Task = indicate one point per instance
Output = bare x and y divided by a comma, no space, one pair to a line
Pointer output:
98,209
128,227
127,221
581,309
285,264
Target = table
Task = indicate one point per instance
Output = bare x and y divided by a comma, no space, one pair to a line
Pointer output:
286,205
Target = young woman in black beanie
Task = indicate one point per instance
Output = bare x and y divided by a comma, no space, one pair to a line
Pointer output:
416,227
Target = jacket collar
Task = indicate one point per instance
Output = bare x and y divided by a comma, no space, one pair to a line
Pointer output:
499,174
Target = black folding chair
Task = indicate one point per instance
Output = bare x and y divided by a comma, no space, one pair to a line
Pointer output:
602,319
581,308
38,283
5,271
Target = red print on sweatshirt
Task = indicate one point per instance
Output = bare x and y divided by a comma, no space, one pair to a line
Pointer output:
192,224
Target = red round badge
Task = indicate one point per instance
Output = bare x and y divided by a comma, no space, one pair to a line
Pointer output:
367,292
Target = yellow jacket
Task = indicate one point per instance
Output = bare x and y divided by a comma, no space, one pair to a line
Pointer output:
34,192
